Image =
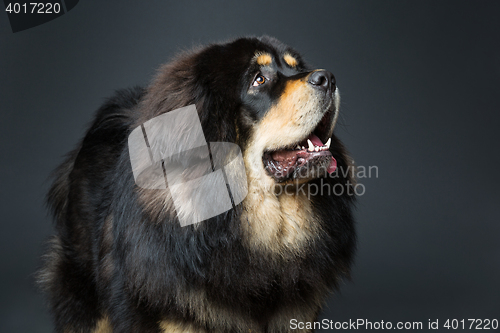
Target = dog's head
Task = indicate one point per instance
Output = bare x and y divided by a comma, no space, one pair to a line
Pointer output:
258,93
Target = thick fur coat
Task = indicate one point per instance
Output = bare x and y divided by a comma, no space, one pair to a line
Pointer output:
121,262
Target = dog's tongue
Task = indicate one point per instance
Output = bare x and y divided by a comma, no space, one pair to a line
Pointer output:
284,155
289,157
332,166
315,140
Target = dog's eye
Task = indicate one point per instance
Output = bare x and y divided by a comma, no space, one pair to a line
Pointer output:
261,79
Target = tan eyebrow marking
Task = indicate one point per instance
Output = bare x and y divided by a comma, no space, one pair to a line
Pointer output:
291,61
264,59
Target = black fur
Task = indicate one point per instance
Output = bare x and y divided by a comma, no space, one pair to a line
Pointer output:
113,258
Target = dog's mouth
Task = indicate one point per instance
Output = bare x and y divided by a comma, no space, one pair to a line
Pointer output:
305,159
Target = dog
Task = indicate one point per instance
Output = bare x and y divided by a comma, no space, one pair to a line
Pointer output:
120,260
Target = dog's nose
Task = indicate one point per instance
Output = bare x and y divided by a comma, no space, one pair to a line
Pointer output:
323,80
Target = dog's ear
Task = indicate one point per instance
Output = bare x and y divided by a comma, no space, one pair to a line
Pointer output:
217,116
172,88
199,78
217,85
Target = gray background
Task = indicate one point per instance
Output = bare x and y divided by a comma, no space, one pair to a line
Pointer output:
420,83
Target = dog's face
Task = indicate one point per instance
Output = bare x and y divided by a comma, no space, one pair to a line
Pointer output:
289,113
258,93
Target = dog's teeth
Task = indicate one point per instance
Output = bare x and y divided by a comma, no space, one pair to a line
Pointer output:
298,147
316,149
303,147
311,146
327,144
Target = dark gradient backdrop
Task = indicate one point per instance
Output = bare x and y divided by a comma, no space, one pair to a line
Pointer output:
420,83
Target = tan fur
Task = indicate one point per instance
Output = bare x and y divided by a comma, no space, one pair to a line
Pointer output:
264,59
103,326
279,222
276,222
291,61
296,213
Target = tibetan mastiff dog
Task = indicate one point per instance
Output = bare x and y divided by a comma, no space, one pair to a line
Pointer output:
121,261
